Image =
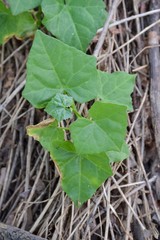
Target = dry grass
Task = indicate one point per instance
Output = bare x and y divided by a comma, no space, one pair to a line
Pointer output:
126,206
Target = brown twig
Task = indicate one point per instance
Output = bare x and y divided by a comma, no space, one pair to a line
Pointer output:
105,29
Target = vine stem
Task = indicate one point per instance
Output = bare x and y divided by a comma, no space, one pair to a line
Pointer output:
78,115
105,29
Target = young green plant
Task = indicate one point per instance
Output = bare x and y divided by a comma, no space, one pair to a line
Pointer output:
61,75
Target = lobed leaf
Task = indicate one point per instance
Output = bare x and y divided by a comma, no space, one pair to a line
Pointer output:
80,174
74,22
116,88
54,67
19,26
104,132
20,6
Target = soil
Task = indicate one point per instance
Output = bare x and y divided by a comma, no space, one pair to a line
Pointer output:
127,205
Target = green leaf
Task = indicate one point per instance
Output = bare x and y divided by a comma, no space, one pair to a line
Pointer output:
47,133
104,132
74,22
20,26
116,88
80,174
54,67
58,107
19,6
117,156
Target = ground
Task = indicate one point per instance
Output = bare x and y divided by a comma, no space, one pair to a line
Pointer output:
127,205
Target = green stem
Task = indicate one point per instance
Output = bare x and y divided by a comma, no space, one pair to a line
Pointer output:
73,108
